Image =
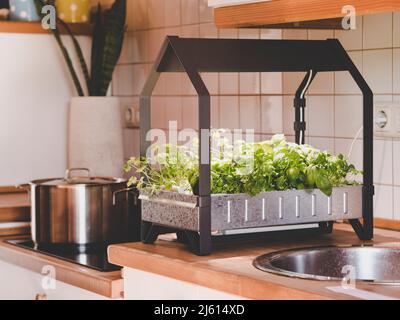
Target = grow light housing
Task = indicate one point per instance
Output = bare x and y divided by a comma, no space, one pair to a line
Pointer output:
194,56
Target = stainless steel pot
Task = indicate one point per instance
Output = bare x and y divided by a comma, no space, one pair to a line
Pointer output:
83,210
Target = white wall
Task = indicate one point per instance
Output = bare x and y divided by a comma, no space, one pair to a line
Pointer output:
35,89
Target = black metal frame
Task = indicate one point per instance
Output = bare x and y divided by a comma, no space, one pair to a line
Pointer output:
193,56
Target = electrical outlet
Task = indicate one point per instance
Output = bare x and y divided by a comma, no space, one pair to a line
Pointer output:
131,115
387,119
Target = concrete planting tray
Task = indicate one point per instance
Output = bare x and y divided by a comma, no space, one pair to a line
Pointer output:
232,212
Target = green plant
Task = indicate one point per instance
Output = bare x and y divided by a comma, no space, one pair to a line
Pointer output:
243,168
108,36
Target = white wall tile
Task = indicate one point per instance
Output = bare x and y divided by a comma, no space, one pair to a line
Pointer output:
158,117
190,113
249,83
377,31
323,83
348,115
396,203
208,30
211,80
129,15
321,116
383,202
292,81
383,161
320,34
295,34
228,83
190,31
137,15
351,39
245,33
344,83
228,33
190,11
396,71
288,115
129,80
324,144
172,83
127,49
186,85
172,13
250,113
396,162
131,143
229,112
173,110
205,12
271,83
156,13
271,34
272,114
396,29
215,112
156,38
378,70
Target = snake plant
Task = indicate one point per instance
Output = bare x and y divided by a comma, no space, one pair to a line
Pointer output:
108,37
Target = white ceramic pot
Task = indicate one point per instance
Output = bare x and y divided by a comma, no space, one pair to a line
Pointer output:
95,136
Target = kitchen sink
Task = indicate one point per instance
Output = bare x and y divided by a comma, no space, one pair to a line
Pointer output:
378,264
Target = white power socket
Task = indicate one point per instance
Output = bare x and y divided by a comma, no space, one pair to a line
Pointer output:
131,116
387,119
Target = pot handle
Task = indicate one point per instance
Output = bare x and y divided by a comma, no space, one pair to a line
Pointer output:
26,187
68,172
126,190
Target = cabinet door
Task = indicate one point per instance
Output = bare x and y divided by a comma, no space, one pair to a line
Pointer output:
17,283
140,285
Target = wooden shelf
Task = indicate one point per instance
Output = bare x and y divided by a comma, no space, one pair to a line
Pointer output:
36,28
296,13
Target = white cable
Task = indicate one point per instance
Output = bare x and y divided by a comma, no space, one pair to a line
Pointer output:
301,97
307,85
354,142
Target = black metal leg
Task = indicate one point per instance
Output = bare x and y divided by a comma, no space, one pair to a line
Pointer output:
151,231
198,245
326,227
363,231
181,237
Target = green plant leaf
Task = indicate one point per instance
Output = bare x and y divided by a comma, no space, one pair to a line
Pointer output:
107,46
39,5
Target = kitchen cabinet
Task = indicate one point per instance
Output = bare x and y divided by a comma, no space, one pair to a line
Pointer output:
154,286
23,284
293,13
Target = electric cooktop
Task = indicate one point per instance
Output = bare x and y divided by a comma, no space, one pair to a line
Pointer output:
94,258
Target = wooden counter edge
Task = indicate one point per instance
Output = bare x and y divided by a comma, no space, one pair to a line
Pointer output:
107,284
204,275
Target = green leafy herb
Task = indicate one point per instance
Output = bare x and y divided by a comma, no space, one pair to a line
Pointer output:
242,167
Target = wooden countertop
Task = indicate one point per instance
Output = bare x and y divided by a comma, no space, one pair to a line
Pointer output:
229,268
108,284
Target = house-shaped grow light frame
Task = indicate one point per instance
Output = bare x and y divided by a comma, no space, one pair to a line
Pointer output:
194,56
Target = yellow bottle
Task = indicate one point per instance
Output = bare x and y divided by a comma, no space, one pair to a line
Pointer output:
73,11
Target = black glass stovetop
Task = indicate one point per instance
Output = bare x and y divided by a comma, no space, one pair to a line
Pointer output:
94,258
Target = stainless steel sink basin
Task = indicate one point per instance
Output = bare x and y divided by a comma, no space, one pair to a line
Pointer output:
370,263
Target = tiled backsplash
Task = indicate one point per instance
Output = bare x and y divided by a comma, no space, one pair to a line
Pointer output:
265,101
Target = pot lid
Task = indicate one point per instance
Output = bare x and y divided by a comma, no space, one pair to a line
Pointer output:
69,180
82,180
